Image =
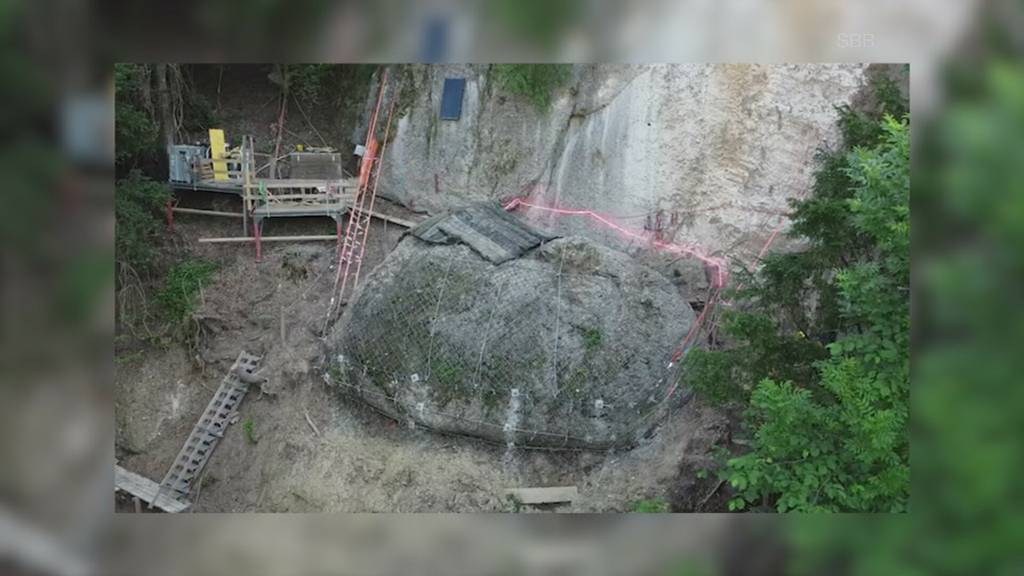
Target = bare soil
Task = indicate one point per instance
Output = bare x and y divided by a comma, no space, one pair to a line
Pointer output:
360,461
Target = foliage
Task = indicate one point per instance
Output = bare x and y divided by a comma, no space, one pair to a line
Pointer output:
307,80
651,506
249,428
535,82
136,202
181,287
822,356
968,261
591,339
135,130
199,114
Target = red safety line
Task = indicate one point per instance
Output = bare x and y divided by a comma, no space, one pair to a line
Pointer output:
718,265
373,195
355,211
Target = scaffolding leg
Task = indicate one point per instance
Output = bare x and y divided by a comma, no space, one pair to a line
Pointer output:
170,216
337,225
257,227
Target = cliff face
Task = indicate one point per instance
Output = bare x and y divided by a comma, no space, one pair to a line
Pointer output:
704,155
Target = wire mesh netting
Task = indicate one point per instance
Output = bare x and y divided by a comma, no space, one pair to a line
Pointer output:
569,344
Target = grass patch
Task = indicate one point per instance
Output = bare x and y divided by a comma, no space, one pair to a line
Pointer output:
450,381
249,428
179,295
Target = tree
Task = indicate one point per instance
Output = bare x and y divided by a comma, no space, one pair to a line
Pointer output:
821,364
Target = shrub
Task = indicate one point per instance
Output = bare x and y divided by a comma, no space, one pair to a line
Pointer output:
249,428
135,131
137,200
181,287
821,361
307,81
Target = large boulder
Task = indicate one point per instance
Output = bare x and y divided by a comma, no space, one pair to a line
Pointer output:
476,324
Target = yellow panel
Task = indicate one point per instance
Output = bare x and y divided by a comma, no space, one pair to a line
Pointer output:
218,151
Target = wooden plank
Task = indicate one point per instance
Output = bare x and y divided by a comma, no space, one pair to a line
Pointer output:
316,196
145,489
394,219
548,495
232,239
207,212
295,183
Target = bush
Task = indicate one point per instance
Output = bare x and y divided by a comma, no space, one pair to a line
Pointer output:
249,428
535,82
307,81
821,362
137,201
135,131
184,281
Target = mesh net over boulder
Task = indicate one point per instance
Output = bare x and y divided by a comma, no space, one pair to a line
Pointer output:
478,324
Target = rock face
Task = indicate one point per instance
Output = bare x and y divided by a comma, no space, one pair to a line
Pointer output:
706,154
568,343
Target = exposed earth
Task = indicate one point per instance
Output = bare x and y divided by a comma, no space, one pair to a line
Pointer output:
358,460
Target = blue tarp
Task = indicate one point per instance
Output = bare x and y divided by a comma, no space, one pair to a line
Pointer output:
451,98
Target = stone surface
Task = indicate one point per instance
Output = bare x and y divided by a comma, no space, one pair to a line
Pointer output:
567,345
708,154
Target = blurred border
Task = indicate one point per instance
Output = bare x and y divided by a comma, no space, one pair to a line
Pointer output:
57,274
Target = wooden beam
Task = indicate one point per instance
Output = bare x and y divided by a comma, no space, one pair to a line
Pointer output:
146,489
394,219
233,239
296,182
207,212
549,495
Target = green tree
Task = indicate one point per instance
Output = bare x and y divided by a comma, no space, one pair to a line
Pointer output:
135,130
821,361
137,200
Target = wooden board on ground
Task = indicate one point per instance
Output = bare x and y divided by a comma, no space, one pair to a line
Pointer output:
145,489
549,495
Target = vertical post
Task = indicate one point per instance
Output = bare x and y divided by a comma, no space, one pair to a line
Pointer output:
170,216
256,232
247,181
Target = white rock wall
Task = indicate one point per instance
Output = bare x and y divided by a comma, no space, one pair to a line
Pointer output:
716,150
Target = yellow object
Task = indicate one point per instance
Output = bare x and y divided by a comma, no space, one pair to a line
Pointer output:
299,147
218,152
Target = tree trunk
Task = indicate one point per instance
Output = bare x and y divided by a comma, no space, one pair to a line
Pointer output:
164,103
280,120
147,90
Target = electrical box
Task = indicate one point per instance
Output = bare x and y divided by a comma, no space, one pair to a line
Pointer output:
181,162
